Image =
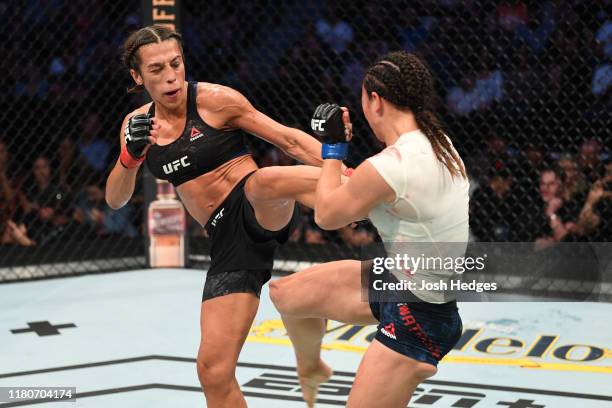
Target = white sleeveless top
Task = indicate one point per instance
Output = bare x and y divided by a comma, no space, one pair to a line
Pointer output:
431,206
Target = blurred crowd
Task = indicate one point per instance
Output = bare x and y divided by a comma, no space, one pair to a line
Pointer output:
561,197
524,90
61,195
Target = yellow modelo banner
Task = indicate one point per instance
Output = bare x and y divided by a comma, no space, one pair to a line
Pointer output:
164,12
543,351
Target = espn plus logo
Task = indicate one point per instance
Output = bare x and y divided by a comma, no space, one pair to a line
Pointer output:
280,384
176,165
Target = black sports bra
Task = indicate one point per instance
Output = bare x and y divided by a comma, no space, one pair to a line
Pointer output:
198,150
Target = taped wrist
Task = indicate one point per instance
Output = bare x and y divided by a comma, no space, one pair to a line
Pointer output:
128,161
338,151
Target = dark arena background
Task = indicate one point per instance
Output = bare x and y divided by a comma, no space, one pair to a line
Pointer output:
524,91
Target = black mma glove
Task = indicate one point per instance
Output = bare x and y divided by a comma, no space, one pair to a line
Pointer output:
328,125
137,132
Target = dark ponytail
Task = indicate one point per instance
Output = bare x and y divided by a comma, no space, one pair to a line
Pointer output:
404,80
147,35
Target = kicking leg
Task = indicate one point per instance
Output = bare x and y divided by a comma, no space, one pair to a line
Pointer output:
272,191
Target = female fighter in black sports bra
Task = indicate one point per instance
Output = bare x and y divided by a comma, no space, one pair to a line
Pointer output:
191,135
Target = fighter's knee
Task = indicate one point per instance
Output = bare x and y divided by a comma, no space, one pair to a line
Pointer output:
213,373
276,294
266,182
279,296
423,371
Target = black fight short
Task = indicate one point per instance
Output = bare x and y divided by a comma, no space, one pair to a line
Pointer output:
242,251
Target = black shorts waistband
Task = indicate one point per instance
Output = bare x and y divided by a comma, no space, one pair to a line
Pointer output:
236,191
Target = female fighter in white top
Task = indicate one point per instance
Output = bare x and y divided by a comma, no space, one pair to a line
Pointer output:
414,191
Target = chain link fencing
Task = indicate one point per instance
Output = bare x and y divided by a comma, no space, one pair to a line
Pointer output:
62,105
524,91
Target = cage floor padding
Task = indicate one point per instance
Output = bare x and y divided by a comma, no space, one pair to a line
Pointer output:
130,339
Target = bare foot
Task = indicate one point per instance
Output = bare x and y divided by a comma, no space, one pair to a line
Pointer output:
310,381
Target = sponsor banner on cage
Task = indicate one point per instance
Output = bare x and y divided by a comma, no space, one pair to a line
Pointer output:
162,12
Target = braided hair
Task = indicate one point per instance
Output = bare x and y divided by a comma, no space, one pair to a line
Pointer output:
147,35
404,80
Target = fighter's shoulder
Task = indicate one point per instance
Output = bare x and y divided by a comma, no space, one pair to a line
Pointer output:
216,97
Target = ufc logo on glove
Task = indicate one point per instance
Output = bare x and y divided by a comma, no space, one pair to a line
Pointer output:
128,136
317,124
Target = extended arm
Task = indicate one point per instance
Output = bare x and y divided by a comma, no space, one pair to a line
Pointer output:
338,204
238,112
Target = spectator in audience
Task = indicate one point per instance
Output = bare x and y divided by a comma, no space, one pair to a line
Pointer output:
354,72
604,38
30,82
478,91
308,65
243,78
93,148
595,219
357,236
527,176
529,163
601,82
602,79
8,196
283,87
62,74
69,168
298,232
334,31
489,80
556,219
46,204
511,14
93,212
414,29
575,186
311,234
462,99
493,209
535,158
314,235
14,234
494,156
39,14
522,70
536,32
589,158
275,157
